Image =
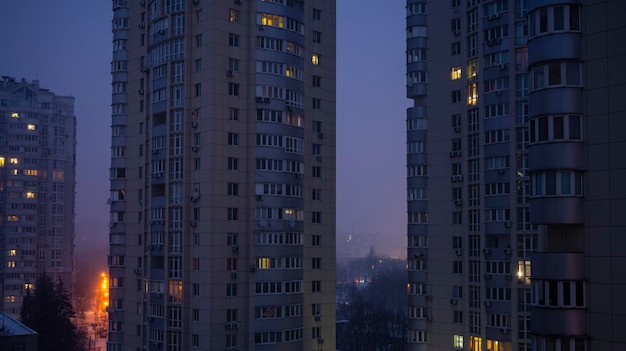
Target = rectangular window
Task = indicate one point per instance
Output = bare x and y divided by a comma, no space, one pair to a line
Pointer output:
317,37
233,15
233,39
317,14
233,89
232,214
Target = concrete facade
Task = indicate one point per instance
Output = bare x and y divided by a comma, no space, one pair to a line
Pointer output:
513,164
37,181
223,175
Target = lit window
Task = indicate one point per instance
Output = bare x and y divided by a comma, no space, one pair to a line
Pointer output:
472,94
458,342
13,160
10,264
12,252
1,161
31,127
28,286
315,59
10,298
15,115
268,19
233,15
30,195
472,69
456,73
13,218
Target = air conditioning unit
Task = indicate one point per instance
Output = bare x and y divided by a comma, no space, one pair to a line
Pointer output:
501,66
320,135
429,318
259,197
162,31
140,91
266,100
487,251
155,151
142,24
320,340
498,92
193,224
252,268
507,224
195,148
452,154
261,27
233,275
194,124
501,171
458,252
487,303
507,251
454,301
319,158
259,99
137,271
457,129
318,317
458,202
457,32
229,73
504,331
235,249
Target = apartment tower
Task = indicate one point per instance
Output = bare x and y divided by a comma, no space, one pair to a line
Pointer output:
37,187
513,164
222,175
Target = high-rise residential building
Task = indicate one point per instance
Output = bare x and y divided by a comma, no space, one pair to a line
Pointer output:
37,186
222,233
514,164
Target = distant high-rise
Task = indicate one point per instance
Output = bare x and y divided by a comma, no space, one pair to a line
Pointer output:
37,186
515,160
223,175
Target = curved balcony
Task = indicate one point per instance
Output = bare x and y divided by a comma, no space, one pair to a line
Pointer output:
558,266
556,210
557,46
556,155
562,321
555,100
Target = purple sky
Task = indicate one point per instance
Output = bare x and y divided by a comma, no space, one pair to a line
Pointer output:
66,44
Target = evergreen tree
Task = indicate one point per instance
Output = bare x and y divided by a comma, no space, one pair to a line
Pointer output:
49,311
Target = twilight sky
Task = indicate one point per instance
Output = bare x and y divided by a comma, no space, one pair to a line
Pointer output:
66,44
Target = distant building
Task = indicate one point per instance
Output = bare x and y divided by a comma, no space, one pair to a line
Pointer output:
37,186
515,161
15,336
222,232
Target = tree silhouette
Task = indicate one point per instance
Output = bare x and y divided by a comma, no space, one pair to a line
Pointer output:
373,317
48,310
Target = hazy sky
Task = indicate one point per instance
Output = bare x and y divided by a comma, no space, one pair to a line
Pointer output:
66,44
